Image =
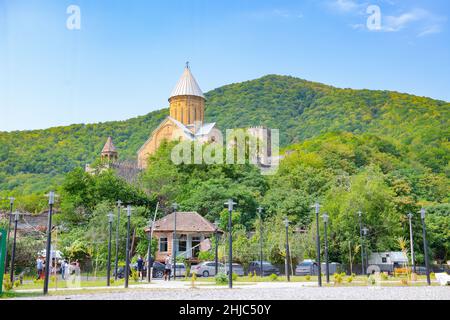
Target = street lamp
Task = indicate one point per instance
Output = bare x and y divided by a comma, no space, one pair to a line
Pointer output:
149,252
361,241
51,202
316,206
413,263
230,203
174,243
286,224
127,252
13,255
11,206
261,268
216,258
327,267
425,244
116,264
366,251
108,267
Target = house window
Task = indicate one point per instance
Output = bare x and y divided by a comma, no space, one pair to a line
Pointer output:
163,245
384,260
196,246
182,244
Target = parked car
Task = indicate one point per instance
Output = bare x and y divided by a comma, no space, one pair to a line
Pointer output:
309,267
181,269
237,269
207,268
158,270
267,268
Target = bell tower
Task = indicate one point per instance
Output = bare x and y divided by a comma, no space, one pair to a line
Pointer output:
187,102
109,152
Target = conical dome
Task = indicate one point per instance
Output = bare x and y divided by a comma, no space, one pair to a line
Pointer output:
187,85
109,147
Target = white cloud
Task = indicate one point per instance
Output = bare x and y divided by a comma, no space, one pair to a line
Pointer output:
346,6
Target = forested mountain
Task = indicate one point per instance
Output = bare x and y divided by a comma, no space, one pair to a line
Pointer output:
31,161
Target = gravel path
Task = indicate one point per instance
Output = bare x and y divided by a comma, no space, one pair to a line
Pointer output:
273,292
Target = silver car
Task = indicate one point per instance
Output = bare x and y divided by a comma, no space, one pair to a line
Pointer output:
237,269
207,268
181,269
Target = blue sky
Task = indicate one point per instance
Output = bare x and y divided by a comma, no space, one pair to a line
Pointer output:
128,55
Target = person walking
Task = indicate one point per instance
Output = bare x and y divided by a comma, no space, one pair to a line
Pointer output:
168,268
39,267
140,267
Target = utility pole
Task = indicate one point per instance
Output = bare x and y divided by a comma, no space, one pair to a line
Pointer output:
127,251
261,242
174,242
13,255
11,206
362,244
230,203
327,267
316,206
425,245
286,224
48,263
365,231
116,264
216,256
108,267
411,242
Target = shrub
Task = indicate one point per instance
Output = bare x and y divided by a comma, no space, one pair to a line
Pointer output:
433,275
134,275
338,277
371,280
221,279
111,280
384,276
404,281
17,283
273,277
234,276
7,285
350,279
308,277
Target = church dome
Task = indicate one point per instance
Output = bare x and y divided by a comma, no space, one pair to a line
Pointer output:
187,85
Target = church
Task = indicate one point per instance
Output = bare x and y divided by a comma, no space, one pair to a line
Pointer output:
184,123
186,119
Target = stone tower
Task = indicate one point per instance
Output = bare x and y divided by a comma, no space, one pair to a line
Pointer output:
187,102
109,151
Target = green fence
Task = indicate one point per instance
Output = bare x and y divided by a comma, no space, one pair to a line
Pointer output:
2,256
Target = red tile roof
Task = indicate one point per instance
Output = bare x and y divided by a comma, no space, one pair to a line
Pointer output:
186,221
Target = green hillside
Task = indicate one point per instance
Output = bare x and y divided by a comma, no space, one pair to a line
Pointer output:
31,161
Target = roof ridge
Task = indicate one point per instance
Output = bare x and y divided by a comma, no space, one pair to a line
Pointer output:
187,85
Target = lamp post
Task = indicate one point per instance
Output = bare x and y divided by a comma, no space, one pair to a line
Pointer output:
116,263
425,244
230,203
108,267
366,251
361,241
286,224
261,267
316,206
216,256
127,251
149,252
51,202
174,241
327,267
13,255
411,242
11,206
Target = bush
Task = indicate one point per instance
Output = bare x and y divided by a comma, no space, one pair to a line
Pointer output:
404,282
234,276
338,278
350,279
273,277
134,275
371,280
433,275
384,276
7,285
17,283
308,277
221,279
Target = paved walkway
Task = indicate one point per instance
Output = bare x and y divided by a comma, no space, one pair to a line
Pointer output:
179,290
